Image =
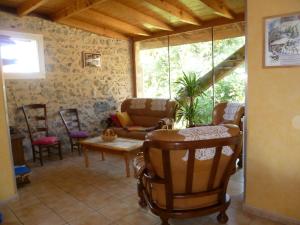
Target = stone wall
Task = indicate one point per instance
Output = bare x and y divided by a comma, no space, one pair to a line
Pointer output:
95,92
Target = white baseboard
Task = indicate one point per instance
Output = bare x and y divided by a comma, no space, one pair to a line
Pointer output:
270,215
14,197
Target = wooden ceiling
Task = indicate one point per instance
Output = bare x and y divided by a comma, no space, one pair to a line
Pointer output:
135,19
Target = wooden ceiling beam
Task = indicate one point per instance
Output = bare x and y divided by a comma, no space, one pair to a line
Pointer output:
94,15
28,6
219,8
92,28
180,13
208,24
144,18
77,7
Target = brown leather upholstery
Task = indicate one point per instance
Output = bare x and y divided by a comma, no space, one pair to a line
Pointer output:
148,113
209,142
220,117
121,132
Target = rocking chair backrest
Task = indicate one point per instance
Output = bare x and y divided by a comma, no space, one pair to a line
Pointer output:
36,119
189,174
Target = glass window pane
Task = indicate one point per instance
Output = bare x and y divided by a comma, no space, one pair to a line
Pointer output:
153,68
191,53
25,54
229,55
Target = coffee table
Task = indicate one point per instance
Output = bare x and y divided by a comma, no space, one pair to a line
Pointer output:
120,146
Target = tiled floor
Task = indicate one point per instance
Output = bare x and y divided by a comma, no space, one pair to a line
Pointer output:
65,192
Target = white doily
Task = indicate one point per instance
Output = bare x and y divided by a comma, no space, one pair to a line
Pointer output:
208,153
205,133
158,105
138,104
231,110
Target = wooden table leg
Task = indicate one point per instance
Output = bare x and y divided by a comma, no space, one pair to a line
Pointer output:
126,157
86,157
102,156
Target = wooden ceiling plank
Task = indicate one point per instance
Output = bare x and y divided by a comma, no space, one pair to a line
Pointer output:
92,28
77,7
29,6
219,8
114,23
158,24
180,13
210,23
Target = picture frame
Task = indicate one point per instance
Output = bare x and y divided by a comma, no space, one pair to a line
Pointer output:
91,59
282,41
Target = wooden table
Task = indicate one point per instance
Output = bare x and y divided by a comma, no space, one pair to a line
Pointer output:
120,146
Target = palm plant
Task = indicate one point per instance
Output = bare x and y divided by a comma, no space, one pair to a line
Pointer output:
190,87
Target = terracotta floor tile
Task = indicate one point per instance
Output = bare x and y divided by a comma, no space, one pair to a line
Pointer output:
23,201
115,211
73,211
9,217
138,218
92,219
38,214
97,199
65,192
111,200
235,188
261,221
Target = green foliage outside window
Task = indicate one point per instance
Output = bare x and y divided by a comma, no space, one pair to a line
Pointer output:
193,58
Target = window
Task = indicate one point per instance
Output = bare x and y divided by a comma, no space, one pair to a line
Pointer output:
26,56
214,55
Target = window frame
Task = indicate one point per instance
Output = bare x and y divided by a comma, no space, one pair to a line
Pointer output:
41,60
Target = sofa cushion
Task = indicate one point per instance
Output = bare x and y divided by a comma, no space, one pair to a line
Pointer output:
139,128
159,197
121,132
124,119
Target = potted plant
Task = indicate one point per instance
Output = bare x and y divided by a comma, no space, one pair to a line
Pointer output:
190,87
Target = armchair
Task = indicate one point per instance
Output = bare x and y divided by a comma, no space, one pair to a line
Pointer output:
184,173
228,113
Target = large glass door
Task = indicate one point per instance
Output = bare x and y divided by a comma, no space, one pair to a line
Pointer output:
214,55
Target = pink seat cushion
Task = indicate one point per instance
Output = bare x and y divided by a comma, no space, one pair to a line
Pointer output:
45,141
79,134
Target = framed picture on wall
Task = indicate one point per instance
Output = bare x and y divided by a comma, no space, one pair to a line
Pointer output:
282,41
91,59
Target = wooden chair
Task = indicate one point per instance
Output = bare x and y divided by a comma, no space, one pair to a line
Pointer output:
183,177
36,120
71,121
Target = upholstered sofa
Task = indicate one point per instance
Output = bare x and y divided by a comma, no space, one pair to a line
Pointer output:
147,115
184,173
